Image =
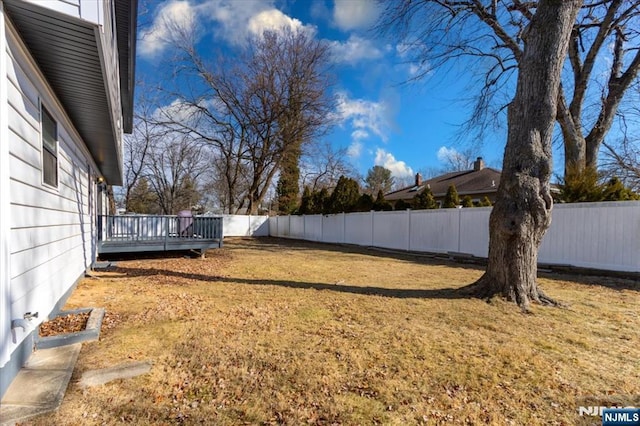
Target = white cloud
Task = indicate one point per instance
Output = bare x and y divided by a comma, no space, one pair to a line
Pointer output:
172,13
353,50
359,134
399,169
233,17
367,116
355,149
274,20
229,20
354,14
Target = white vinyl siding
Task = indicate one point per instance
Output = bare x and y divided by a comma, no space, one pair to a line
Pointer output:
52,241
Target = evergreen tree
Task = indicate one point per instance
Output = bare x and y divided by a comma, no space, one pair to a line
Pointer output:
424,200
585,187
142,199
581,186
344,196
402,205
320,201
614,190
451,199
380,204
378,178
306,204
287,189
467,201
364,204
486,202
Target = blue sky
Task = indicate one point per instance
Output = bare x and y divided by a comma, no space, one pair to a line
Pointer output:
406,127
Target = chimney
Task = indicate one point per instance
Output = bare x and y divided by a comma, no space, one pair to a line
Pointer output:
478,164
418,179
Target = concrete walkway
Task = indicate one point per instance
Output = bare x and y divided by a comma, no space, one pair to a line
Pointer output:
40,385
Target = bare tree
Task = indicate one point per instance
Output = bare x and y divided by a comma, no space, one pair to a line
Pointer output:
522,212
174,168
535,46
605,36
257,109
456,161
621,158
623,162
322,165
137,144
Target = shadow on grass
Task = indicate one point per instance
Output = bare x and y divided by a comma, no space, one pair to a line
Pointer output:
609,279
398,293
613,280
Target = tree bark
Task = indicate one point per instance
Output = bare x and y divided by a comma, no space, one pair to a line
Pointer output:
522,212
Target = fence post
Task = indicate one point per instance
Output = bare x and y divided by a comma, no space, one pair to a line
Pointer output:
166,231
408,229
344,227
373,227
459,227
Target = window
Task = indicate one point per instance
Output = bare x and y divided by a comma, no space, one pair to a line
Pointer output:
49,149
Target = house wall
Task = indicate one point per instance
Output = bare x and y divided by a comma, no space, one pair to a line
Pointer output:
5,317
51,240
99,12
591,235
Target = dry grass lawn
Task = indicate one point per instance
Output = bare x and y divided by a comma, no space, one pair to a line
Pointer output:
283,332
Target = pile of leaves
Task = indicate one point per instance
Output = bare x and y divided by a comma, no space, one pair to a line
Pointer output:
70,323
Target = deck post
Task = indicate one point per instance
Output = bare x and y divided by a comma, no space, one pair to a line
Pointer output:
166,231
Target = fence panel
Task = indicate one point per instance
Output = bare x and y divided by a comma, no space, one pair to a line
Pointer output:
333,228
358,228
391,229
313,227
296,227
593,235
245,225
435,230
474,231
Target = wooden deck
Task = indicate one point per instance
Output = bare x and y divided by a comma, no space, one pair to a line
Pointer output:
146,233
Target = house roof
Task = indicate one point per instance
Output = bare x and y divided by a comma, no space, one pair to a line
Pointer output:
467,182
70,53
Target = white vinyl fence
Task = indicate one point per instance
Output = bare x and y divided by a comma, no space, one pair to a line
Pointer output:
245,226
591,235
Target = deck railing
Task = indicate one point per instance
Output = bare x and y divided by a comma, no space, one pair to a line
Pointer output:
140,228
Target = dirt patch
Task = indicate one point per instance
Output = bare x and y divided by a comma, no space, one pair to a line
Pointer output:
71,323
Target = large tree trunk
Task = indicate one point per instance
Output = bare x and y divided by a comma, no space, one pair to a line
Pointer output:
522,212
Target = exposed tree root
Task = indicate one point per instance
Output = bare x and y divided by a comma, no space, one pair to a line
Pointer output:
486,288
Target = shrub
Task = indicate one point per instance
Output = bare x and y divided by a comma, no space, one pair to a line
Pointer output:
364,204
381,204
586,186
467,201
451,199
485,202
402,205
424,200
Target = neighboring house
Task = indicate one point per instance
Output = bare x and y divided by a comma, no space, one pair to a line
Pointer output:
66,97
477,183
